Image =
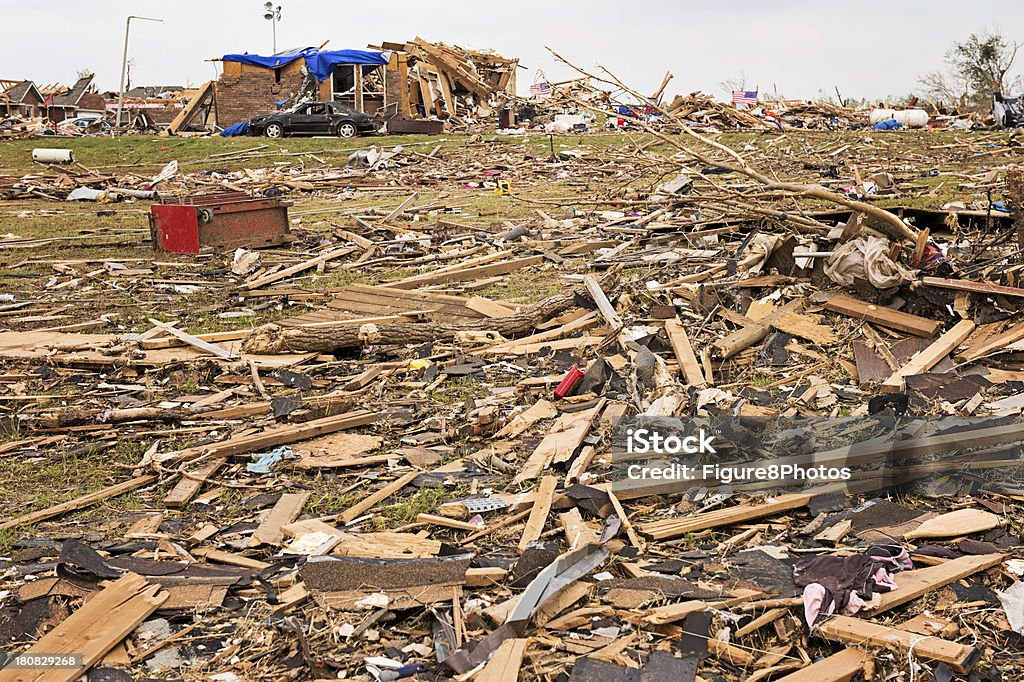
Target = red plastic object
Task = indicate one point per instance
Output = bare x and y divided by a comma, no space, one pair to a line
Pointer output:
569,381
218,221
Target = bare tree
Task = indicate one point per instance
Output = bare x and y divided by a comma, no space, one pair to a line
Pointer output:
978,67
731,85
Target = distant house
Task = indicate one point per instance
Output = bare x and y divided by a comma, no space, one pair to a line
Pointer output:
20,99
77,101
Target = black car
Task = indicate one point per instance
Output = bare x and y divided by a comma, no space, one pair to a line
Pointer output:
313,118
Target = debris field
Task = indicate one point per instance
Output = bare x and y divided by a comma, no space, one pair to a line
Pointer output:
380,447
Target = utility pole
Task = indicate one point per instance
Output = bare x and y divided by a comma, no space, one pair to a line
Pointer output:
273,15
124,62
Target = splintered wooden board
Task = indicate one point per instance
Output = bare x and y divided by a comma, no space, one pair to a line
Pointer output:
93,630
357,301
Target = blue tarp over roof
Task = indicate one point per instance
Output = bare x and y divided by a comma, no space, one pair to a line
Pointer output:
320,64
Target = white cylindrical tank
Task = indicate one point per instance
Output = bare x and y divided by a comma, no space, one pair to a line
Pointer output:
911,118
879,115
53,155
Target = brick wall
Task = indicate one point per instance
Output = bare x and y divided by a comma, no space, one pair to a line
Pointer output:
240,97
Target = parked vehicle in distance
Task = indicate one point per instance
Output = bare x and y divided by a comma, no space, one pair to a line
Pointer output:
313,118
83,122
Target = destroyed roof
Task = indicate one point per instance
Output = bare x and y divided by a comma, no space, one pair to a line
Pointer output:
17,92
72,96
321,63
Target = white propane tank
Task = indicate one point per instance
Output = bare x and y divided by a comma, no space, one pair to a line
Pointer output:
879,115
911,118
53,155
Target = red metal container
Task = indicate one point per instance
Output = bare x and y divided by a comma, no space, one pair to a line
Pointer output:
219,222
569,381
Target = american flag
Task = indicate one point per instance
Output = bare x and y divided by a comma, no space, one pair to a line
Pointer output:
540,90
744,97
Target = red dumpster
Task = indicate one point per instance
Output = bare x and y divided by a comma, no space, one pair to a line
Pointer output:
218,222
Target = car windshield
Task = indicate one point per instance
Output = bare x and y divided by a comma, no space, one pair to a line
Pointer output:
295,107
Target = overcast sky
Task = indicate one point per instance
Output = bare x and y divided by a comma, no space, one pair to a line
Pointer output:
800,47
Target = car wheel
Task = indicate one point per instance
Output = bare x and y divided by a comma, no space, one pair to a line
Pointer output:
274,130
347,130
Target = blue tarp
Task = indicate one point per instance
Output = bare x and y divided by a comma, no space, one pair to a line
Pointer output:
235,130
320,64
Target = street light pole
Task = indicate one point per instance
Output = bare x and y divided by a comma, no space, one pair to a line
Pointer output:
273,15
124,62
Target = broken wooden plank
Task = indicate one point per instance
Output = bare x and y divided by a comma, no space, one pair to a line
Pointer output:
79,502
604,306
671,528
560,443
501,268
918,582
298,267
930,356
539,512
93,630
505,663
287,509
687,359
882,316
841,667
859,632
357,510
972,287
284,434
194,341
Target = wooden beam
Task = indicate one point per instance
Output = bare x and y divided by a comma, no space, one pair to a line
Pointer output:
882,316
194,341
859,632
79,502
539,512
972,287
357,510
841,667
689,366
916,583
671,528
929,357
560,443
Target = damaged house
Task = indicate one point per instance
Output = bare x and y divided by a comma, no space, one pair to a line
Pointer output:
405,83
20,99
